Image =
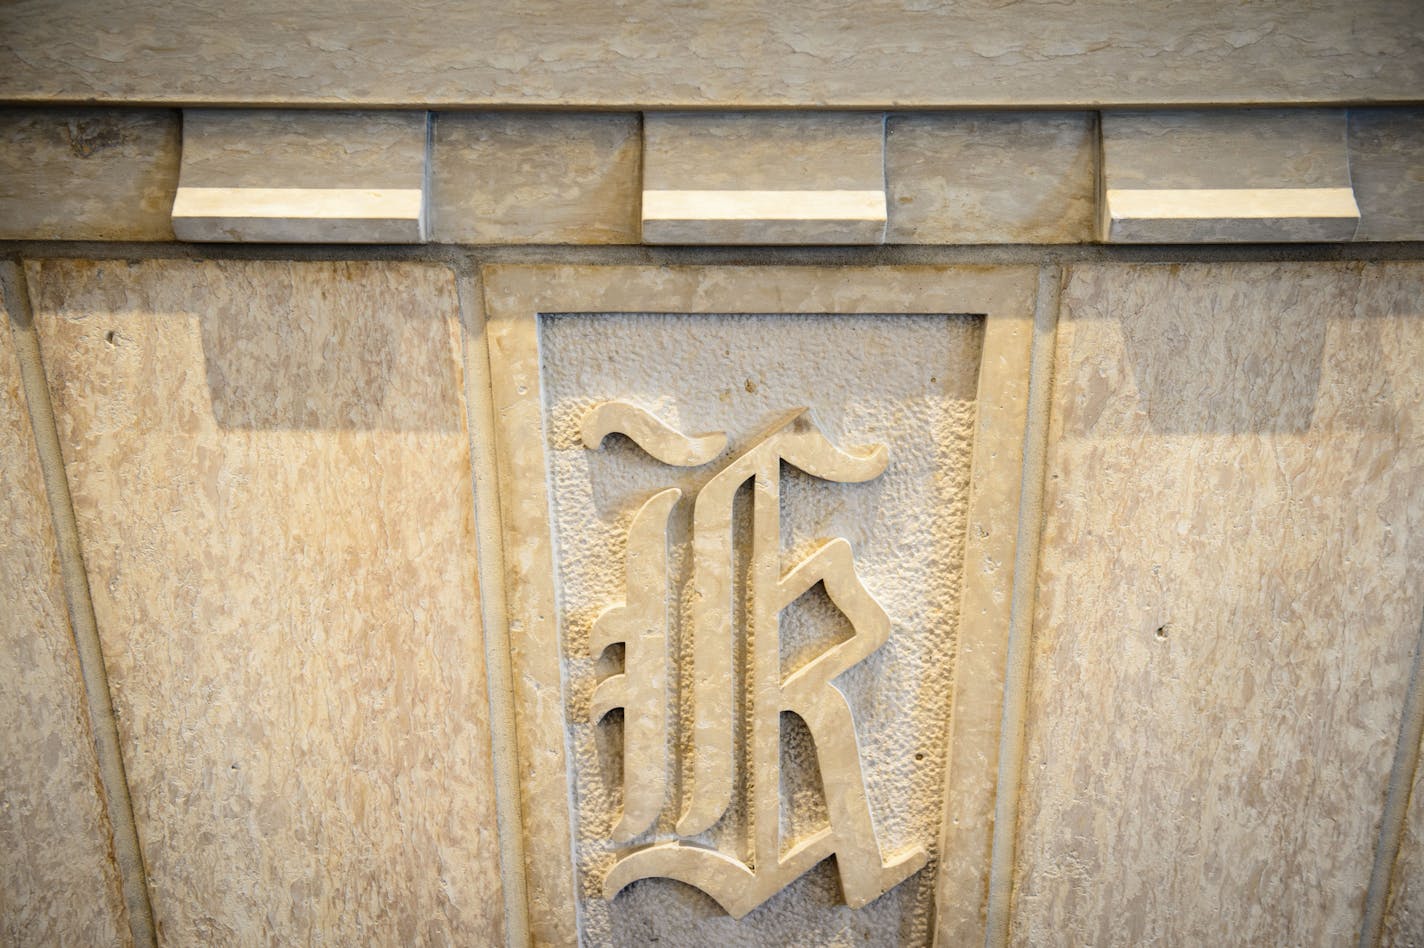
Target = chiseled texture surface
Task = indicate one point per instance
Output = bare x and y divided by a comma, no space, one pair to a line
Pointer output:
271,477
87,174
1387,170
1404,917
545,178
662,53
908,382
1229,597
58,880
991,178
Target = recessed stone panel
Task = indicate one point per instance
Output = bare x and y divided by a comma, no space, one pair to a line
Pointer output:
270,467
1387,171
1229,599
737,507
991,177
535,178
88,174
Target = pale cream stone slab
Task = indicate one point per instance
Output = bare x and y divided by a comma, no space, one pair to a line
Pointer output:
991,177
270,467
1230,592
775,178
1242,176
880,54
1387,171
514,298
535,178
297,176
87,174
58,880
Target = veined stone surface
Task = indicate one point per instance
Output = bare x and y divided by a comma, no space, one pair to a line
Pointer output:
1247,175
87,174
1387,171
58,880
535,178
775,178
306,177
991,178
1230,593
271,475
752,53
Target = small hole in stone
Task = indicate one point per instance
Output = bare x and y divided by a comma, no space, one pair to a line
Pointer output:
110,336
1161,633
919,757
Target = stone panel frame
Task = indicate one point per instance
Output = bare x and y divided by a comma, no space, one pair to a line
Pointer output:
999,522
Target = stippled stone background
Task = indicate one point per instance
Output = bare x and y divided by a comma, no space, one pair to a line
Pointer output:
908,382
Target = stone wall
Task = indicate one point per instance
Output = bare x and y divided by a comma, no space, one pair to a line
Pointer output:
740,474
281,475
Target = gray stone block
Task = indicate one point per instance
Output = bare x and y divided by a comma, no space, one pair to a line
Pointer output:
991,177
302,177
773,178
535,178
1253,175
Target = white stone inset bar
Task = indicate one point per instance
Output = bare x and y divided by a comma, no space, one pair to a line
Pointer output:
1227,203
302,177
772,178
1255,175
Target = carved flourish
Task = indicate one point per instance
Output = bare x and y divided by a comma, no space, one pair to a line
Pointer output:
641,689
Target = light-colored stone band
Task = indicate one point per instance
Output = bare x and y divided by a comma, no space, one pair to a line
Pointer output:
308,203
1230,203
778,205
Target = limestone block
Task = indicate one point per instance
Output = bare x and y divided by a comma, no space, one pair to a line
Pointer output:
991,177
87,174
535,178
646,593
666,54
1242,176
58,880
778,178
1387,168
270,466
1230,592
302,177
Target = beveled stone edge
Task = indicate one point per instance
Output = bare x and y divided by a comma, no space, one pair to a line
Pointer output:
814,224
516,294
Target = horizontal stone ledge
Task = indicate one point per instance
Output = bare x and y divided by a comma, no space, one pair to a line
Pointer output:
588,178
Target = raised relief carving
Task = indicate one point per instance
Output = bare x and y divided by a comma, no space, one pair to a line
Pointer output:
641,689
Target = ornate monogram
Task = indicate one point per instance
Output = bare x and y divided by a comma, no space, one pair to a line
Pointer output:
640,624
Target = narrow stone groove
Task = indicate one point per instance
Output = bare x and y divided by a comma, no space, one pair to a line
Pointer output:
489,552
1396,805
1020,651
81,609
